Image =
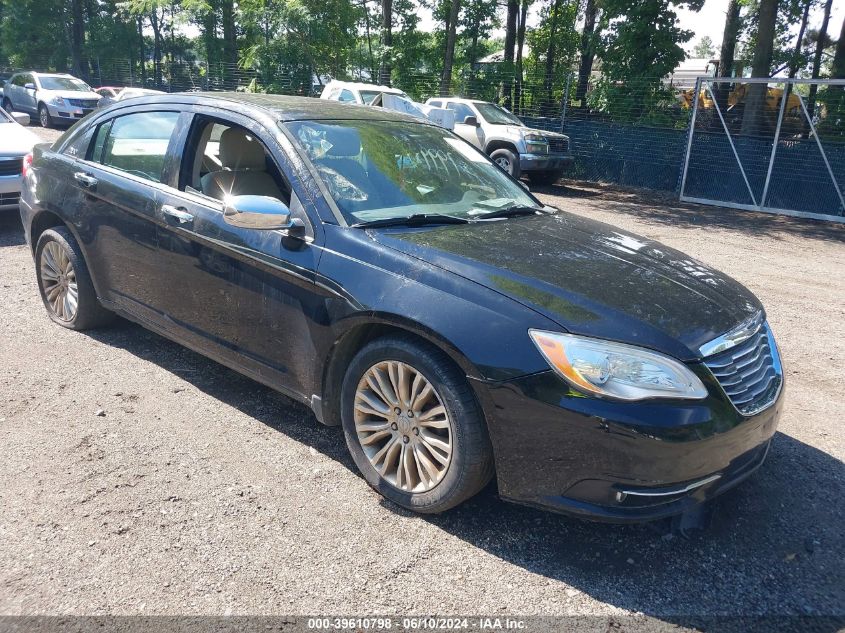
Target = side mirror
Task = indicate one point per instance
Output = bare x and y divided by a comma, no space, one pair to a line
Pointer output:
260,212
29,86
20,117
471,120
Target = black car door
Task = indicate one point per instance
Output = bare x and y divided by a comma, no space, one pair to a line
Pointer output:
116,186
245,296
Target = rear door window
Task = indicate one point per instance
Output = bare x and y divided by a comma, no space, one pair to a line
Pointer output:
136,143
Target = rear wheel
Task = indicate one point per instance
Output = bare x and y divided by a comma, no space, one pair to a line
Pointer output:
413,426
65,284
507,160
44,116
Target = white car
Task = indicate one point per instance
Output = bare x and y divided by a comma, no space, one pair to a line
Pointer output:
15,142
113,95
52,97
360,93
387,98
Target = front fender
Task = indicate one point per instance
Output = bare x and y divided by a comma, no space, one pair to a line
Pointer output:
485,332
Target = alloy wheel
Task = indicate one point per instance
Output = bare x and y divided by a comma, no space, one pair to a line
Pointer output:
403,427
504,163
58,278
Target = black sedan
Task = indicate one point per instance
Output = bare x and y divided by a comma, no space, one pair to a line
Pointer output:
387,274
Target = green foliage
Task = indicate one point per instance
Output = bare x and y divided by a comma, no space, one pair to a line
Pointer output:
546,91
34,31
789,16
641,45
704,48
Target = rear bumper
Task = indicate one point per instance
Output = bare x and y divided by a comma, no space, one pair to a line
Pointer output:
615,461
545,162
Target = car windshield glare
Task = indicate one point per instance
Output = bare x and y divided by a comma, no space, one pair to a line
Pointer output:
63,83
376,170
497,115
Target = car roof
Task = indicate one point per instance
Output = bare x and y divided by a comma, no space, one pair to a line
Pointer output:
282,107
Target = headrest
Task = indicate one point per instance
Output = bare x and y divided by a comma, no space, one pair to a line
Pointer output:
345,142
240,151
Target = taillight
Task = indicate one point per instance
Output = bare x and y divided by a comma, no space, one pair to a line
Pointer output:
26,164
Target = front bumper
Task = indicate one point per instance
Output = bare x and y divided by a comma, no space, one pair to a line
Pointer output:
616,461
67,113
10,192
545,162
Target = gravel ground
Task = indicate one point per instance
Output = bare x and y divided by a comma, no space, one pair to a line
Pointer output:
140,478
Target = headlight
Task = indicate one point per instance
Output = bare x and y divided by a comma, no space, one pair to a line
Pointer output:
59,101
614,370
536,144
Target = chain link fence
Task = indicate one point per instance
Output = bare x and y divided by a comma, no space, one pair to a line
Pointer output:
768,145
643,132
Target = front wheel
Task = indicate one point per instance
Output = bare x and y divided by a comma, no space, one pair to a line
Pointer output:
413,425
64,282
507,160
44,116
7,105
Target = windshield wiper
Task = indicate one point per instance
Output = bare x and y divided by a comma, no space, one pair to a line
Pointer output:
508,212
416,219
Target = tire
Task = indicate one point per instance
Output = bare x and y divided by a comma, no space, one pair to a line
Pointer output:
507,160
44,116
7,105
545,177
424,488
56,250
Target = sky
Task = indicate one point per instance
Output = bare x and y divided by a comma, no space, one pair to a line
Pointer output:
710,21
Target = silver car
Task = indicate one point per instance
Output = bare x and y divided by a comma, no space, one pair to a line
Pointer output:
15,142
541,155
53,97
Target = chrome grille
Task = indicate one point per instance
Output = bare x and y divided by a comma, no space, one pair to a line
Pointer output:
750,373
83,103
558,145
10,166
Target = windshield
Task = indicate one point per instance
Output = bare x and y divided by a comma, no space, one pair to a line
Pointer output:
376,170
367,96
5,117
496,115
63,83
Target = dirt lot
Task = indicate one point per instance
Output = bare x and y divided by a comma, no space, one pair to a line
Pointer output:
198,491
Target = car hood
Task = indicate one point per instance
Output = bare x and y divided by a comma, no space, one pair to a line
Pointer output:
71,94
591,278
518,130
16,140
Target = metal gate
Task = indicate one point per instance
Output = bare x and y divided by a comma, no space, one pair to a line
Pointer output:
775,145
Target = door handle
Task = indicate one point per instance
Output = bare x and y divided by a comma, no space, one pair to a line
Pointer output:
85,180
177,213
